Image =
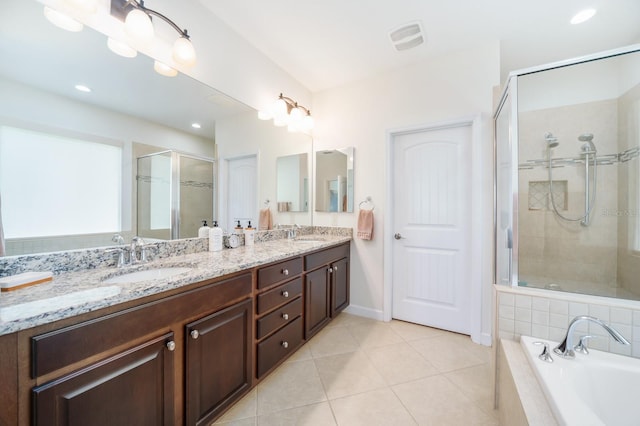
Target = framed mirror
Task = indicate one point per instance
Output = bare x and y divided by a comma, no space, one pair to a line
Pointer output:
334,180
292,192
129,104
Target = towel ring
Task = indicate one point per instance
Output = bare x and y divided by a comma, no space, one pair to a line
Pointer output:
365,201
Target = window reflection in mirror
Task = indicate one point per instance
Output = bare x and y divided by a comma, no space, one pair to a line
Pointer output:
334,180
293,183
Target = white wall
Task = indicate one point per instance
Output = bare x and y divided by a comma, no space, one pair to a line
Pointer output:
360,115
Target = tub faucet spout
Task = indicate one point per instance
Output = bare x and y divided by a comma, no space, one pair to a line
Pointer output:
566,348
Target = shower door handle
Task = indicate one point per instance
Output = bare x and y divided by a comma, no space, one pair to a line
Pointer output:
398,236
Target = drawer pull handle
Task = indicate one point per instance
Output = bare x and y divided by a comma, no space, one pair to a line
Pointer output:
285,272
171,345
194,334
285,294
285,344
285,317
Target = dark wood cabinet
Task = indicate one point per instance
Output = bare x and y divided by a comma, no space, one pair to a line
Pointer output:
134,387
339,286
317,296
218,362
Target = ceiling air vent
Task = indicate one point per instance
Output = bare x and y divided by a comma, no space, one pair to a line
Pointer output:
407,36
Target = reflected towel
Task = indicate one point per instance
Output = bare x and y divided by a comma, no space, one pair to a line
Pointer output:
284,206
365,225
266,222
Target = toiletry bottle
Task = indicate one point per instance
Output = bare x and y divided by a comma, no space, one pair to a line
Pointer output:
249,235
238,229
203,231
215,237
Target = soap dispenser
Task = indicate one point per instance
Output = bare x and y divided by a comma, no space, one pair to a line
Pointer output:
203,231
215,237
249,235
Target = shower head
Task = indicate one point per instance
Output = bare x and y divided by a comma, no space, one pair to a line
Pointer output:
588,146
552,141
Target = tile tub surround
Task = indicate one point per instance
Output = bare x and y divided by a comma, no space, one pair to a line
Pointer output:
546,314
39,302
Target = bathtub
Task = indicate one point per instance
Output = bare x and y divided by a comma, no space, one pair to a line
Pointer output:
596,389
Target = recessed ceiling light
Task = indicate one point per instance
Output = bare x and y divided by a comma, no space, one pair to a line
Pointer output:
82,88
196,125
582,16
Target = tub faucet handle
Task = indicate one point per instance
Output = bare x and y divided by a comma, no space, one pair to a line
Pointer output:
545,355
581,347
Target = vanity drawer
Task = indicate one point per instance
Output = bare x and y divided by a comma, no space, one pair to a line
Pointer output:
279,317
279,272
315,260
279,346
279,295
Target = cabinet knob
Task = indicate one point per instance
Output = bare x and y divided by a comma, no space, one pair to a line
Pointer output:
285,294
194,334
285,344
330,270
285,316
335,268
285,272
171,345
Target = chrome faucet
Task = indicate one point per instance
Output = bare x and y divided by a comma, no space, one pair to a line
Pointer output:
135,243
566,348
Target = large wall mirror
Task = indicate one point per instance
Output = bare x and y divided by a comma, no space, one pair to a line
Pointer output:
86,141
579,178
334,180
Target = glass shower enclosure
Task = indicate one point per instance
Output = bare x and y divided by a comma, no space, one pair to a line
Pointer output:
567,176
175,193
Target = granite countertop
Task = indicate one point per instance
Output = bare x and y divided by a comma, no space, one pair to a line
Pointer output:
75,293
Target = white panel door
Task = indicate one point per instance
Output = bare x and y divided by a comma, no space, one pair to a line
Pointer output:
432,226
242,191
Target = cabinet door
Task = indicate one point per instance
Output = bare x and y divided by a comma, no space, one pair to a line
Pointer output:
339,286
218,362
134,388
317,306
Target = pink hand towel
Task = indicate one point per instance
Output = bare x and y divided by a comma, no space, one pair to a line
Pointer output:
365,225
266,221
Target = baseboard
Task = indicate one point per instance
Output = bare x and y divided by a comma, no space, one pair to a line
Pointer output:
364,312
485,339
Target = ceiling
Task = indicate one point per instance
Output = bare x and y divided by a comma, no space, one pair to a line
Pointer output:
327,44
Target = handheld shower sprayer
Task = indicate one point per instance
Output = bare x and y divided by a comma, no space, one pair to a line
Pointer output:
588,147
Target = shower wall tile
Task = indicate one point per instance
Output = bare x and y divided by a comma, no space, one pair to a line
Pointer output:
621,316
577,309
540,304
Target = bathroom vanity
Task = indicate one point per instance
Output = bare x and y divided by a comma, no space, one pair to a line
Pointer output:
181,355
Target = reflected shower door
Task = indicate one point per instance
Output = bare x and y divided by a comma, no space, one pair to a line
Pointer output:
196,195
154,196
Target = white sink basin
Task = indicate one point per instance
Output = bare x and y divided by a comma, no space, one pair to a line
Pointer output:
148,274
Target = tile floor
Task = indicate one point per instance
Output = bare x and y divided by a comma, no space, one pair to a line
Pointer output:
358,371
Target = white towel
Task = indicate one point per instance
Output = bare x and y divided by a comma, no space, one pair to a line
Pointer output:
365,225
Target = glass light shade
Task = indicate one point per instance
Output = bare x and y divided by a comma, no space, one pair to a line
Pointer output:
121,48
295,116
280,110
138,27
307,122
164,69
183,52
61,20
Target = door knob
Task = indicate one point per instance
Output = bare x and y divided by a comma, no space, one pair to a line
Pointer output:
398,236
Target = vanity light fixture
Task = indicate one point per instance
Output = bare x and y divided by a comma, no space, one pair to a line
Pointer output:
164,69
62,20
139,28
121,48
287,112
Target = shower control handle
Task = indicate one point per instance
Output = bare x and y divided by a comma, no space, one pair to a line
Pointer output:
398,236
